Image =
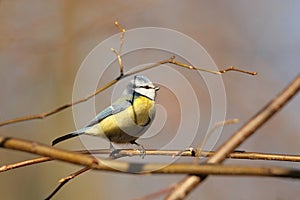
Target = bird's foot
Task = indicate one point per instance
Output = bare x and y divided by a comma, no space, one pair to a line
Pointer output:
114,153
141,149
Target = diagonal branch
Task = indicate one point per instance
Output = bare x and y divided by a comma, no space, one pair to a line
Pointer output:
65,180
191,182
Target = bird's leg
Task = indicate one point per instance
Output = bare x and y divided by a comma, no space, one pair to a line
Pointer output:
113,152
111,147
140,148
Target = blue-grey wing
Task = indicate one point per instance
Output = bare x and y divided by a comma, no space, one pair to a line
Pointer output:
116,107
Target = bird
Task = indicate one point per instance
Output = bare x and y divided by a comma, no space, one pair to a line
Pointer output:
125,120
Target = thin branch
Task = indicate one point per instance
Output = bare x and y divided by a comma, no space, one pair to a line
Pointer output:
157,194
24,163
232,68
153,168
124,167
215,127
58,109
111,83
222,71
65,180
173,153
192,181
114,81
118,54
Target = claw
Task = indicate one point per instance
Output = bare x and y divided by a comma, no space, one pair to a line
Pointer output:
141,149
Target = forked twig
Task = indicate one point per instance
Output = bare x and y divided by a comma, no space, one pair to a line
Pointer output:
121,75
232,68
118,53
222,71
114,81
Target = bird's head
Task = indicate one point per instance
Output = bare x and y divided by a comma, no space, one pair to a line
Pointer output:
142,86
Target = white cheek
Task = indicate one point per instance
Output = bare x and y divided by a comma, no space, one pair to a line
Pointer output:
150,93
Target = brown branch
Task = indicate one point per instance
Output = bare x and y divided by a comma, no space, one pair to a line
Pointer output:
192,153
219,72
65,180
121,75
133,152
156,195
207,135
232,68
65,106
24,163
192,181
154,168
111,83
118,53
124,167
58,109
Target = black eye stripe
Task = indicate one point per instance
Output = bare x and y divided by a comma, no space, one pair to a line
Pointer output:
145,86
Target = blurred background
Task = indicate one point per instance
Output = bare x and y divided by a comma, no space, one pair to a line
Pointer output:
43,44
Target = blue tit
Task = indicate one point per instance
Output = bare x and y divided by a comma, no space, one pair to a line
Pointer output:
126,119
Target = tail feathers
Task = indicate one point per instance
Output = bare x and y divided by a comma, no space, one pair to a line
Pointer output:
65,137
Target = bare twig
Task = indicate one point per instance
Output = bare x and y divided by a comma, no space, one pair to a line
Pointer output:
192,181
157,194
24,163
215,126
154,168
65,180
222,71
192,153
124,167
118,53
60,108
111,83
232,68
114,81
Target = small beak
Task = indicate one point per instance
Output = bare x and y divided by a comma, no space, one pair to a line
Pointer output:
156,88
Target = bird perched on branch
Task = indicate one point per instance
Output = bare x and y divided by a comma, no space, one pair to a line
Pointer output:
126,119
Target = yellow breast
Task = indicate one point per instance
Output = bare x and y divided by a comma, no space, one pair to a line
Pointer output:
128,125
142,110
